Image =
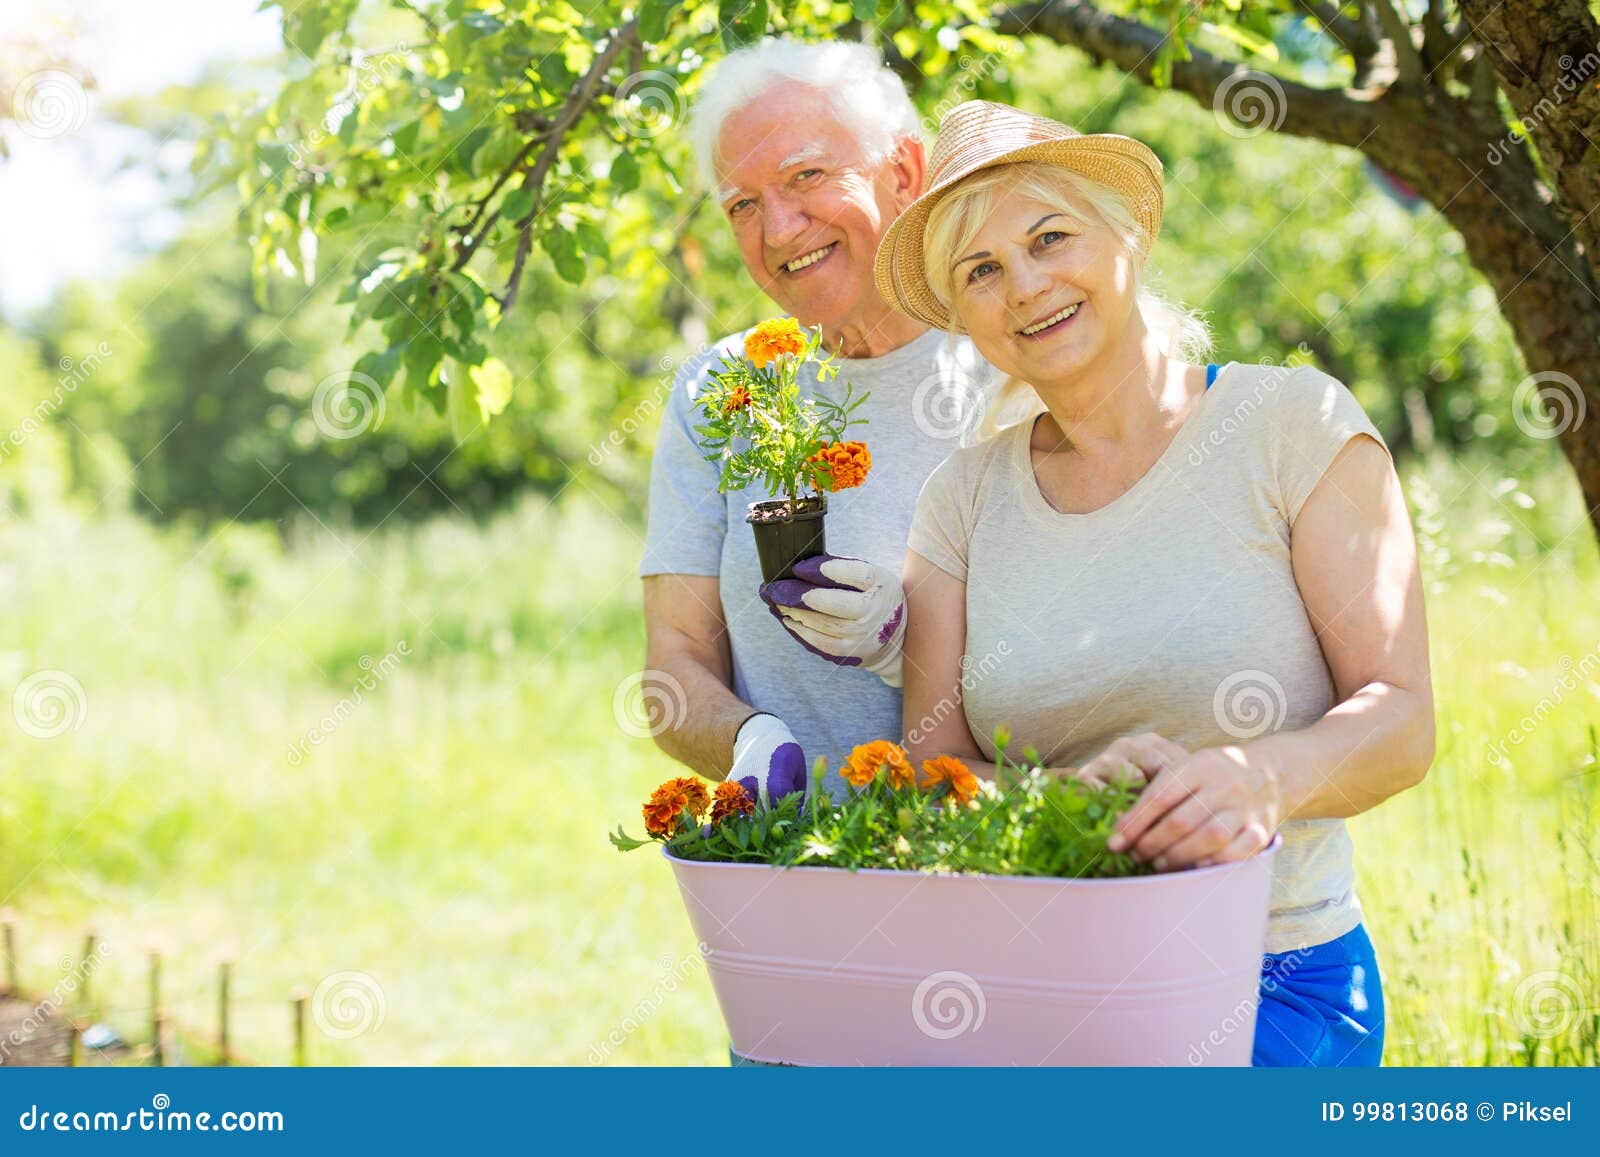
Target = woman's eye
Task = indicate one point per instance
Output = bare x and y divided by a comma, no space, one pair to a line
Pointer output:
1051,237
982,269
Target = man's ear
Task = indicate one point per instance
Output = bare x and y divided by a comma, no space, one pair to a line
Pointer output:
909,163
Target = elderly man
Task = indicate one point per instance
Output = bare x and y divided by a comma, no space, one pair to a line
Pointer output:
811,150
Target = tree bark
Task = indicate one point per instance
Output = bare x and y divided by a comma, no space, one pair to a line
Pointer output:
1534,245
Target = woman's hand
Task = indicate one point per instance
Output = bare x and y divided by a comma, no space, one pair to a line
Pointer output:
1144,756
1219,804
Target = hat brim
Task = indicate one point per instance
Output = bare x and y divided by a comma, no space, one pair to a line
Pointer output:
1123,164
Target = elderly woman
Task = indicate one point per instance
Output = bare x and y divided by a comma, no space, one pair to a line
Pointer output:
1206,574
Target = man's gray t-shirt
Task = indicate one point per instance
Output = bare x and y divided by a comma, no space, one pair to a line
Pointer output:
924,399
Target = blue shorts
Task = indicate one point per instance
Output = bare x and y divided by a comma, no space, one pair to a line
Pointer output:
1321,1007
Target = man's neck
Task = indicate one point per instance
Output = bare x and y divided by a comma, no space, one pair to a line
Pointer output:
872,337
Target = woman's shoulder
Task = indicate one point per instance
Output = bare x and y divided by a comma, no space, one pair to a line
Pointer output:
970,467
1290,397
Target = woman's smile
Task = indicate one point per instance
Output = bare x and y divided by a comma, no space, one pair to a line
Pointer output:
1051,324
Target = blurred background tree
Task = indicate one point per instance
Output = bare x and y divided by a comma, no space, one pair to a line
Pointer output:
404,170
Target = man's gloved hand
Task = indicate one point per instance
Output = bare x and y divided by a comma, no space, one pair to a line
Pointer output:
767,760
844,609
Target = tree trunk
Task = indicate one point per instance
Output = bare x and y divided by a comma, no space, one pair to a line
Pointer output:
1455,150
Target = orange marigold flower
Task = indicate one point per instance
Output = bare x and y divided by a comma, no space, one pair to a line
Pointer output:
847,464
738,398
867,760
730,799
670,800
772,339
948,769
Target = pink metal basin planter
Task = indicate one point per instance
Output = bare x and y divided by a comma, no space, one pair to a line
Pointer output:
822,966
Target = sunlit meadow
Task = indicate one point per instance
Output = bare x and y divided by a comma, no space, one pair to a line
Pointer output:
384,763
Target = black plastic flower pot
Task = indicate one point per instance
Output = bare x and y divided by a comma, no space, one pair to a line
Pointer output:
784,536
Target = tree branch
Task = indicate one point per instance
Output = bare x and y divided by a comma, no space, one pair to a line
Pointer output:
1396,32
1339,116
1545,56
572,109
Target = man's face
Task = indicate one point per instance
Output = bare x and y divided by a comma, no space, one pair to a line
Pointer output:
805,207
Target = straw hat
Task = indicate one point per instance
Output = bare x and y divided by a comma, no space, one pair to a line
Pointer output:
979,134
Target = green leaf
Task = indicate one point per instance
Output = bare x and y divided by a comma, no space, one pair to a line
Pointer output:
469,147
554,75
1248,41
654,15
741,22
517,204
864,10
593,240
563,250
623,842
405,137
625,172
493,382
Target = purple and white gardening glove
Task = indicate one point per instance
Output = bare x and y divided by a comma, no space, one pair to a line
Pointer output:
844,609
767,760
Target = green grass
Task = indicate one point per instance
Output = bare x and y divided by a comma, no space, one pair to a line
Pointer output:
447,838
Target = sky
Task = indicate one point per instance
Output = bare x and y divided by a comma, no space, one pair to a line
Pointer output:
70,206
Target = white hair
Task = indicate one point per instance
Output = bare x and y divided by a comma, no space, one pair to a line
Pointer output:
869,100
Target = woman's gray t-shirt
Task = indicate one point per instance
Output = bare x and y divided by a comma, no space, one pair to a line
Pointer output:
924,398
1172,609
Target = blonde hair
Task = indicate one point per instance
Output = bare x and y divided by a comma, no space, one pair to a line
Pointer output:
958,217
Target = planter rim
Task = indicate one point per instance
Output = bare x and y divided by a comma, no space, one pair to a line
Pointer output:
1120,881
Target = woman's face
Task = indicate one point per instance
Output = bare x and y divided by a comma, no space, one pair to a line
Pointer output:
1044,293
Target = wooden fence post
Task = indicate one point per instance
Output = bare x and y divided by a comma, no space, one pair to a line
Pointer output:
155,1005
84,969
224,978
8,926
300,1001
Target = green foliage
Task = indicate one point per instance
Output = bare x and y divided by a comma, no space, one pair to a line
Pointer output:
1029,822
777,431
